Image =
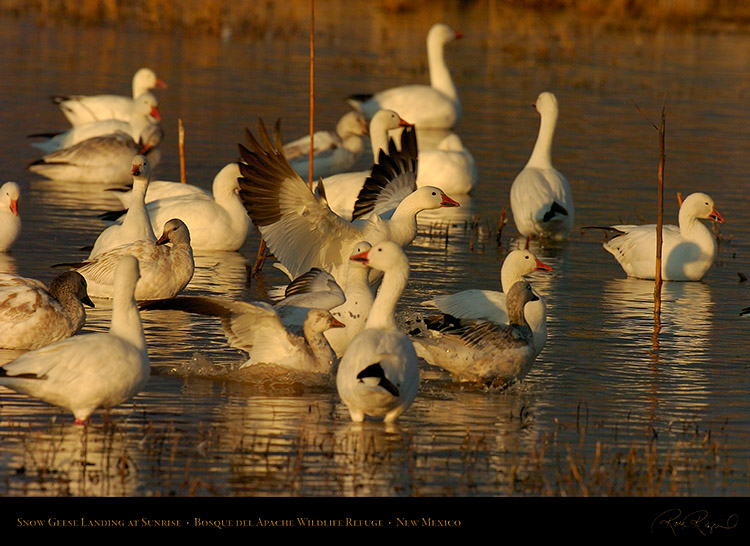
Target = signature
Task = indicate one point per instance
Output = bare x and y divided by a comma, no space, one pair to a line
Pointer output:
697,520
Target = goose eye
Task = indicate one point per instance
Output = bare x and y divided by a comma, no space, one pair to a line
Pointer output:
434,193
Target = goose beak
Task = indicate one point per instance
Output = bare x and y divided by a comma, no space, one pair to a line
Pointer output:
334,323
448,202
362,257
715,216
541,266
87,301
155,113
14,206
164,239
403,123
136,170
459,35
161,84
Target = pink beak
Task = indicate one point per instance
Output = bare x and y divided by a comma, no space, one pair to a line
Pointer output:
14,207
715,216
155,113
448,202
161,84
362,257
541,266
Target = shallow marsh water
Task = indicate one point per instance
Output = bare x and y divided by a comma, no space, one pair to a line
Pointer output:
608,409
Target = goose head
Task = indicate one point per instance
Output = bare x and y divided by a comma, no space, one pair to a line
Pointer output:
70,284
441,33
145,79
226,182
175,232
546,105
352,124
10,193
320,320
383,256
700,205
146,106
430,198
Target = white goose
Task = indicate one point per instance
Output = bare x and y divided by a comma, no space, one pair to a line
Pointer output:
303,232
216,221
10,221
450,167
165,269
488,353
491,306
80,109
378,374
145,113
688,251
31,315
341,190
288,334
434,106
86,372
104,160
333,151
540,196
136,225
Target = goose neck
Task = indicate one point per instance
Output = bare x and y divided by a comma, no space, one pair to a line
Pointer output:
440,76
541,156
382,312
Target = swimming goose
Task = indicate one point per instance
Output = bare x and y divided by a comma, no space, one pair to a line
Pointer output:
333,151
494,355
217,221
450,167
86,372
145,113
301,230
688,250
10,221
540,196
378,374
342,189
490,305
434,106
105,159
80,109
166,269
136,225
31,315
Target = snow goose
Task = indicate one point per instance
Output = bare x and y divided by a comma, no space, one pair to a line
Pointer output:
288,334
450,167
80,109
490,305
165,269
145,113
217,221
434,106
10,222
688,250
488,353
86,372
31,315
333,151
341,190
105,160
540,196
301,230
378,374
136,225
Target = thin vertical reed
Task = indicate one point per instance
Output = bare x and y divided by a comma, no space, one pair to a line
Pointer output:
181,133
312,89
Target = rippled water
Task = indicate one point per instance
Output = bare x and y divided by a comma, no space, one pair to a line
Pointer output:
608,409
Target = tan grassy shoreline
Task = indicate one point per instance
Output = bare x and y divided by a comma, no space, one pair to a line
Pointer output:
248,17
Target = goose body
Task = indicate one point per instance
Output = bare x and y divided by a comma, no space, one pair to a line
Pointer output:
491,305
491,354
434,106
10,221
86,372
450,167
378,374
688,250
81,109
540,197
166,269
333,151
32,315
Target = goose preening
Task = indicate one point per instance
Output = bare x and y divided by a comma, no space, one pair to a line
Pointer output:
493,355
10,221
105,159
288,334
540,196
450,167
434,106
86,372
341,190
145,113
333,151
378,374
217,221
301,230
688,250
32,315
491,305
136,225
80,109
165,269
